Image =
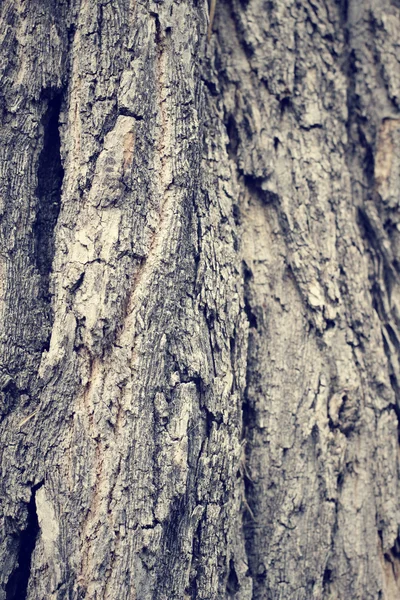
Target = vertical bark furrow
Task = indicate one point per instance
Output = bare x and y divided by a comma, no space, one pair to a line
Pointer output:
31,64
49,183
17,585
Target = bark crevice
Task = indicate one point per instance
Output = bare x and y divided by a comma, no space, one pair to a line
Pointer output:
17,586
50,175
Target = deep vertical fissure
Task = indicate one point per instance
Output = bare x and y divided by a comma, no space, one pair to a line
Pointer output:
17,585
248,427
49,183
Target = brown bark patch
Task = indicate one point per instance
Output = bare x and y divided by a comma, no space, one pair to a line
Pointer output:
384,152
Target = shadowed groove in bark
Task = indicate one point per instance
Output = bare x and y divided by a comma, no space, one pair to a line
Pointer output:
17,585
50,177
249,509
232,586
375,245
248,427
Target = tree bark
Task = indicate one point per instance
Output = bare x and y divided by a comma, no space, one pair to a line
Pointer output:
200,300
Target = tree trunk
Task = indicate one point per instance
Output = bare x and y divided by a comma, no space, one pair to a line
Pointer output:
200,300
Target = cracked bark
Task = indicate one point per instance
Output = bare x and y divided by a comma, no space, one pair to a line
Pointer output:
199,253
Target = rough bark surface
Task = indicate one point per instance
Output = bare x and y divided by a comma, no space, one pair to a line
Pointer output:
200,300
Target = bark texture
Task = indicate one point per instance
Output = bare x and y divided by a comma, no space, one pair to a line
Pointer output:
200,300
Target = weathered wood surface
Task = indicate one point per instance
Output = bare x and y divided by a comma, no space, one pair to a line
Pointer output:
200,258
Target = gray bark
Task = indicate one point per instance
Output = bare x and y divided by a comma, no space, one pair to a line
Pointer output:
200,300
